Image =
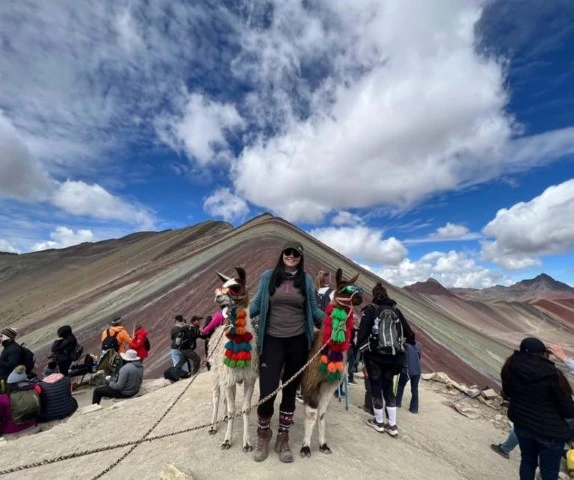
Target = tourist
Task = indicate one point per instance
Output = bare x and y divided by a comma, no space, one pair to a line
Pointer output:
287,309
175,340
411,372
63,349
382,362
11,355
187,344
128,382
540,402
116,337
140,342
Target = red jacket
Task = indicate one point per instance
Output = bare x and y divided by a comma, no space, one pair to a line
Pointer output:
138,343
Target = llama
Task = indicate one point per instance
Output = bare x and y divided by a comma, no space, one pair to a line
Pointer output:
235,359
327,370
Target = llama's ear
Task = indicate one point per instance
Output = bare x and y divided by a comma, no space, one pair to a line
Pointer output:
339,276
242,275
354,279
223,278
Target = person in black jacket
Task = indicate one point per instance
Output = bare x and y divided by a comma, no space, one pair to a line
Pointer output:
381,367
12,354
540,401
188,343
63,348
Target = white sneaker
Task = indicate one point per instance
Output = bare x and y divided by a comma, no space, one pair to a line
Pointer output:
379,427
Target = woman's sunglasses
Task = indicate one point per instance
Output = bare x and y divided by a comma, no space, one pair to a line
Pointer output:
291,252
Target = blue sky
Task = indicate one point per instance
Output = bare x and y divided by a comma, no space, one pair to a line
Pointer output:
418,138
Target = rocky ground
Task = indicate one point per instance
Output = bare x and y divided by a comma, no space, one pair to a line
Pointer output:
438,443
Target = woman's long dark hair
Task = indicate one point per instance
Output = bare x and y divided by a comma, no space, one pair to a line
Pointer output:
563,382
278,276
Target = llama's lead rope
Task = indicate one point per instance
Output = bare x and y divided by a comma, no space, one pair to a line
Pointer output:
146,438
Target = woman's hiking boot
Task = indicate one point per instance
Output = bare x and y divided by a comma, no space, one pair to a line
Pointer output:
263,438
282,447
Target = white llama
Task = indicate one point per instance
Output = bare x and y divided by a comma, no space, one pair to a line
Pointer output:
235,359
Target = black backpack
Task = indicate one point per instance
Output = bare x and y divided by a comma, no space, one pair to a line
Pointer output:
111,341
28,359
76,353
147,345
323,299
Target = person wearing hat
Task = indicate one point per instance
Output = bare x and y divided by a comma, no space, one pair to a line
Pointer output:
117,330
540,402
287,309
188,343
11,355
128,382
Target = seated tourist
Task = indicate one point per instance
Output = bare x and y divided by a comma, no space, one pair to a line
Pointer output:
56,398
19,403
128,382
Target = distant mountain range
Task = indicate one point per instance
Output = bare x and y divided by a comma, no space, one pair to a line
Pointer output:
542,286
149,277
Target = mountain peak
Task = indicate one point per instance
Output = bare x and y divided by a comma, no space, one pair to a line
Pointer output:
430,287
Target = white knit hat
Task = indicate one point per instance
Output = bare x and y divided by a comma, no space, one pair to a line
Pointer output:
130,355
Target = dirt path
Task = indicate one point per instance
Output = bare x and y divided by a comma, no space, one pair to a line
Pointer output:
438,443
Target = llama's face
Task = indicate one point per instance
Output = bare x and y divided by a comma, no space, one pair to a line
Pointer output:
347,293
233,291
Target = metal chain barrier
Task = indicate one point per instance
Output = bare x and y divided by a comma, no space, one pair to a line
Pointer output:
146,438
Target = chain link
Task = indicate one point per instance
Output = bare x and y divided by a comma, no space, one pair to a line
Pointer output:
146,438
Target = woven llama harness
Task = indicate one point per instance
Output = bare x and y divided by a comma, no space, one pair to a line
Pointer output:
338,325
238,348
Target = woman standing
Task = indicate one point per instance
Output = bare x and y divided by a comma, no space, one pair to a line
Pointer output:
63,348
540,401
287,309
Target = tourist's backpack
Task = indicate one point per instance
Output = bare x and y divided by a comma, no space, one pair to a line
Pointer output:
28,359
24,405
147,345
77,353
323,299
388,332
111,341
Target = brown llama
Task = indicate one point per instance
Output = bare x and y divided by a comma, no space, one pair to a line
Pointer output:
235,359
327,370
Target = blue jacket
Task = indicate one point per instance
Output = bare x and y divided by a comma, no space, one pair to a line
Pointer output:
413,360
260,307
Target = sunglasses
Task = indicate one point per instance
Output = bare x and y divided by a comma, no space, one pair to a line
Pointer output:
291,252
351,289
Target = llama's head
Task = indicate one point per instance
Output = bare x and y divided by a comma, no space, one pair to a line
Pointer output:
347,294
233,291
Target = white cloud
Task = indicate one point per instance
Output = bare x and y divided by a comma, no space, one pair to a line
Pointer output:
527,230
200,128
223,203
63,237
6,247
21,175
346,218
94,201
362,243
450,230
367,132
452,269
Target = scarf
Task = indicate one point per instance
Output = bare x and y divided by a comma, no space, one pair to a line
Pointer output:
238,348
338,324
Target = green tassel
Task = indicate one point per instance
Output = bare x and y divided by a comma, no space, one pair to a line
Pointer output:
240,363
323,368
340,337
